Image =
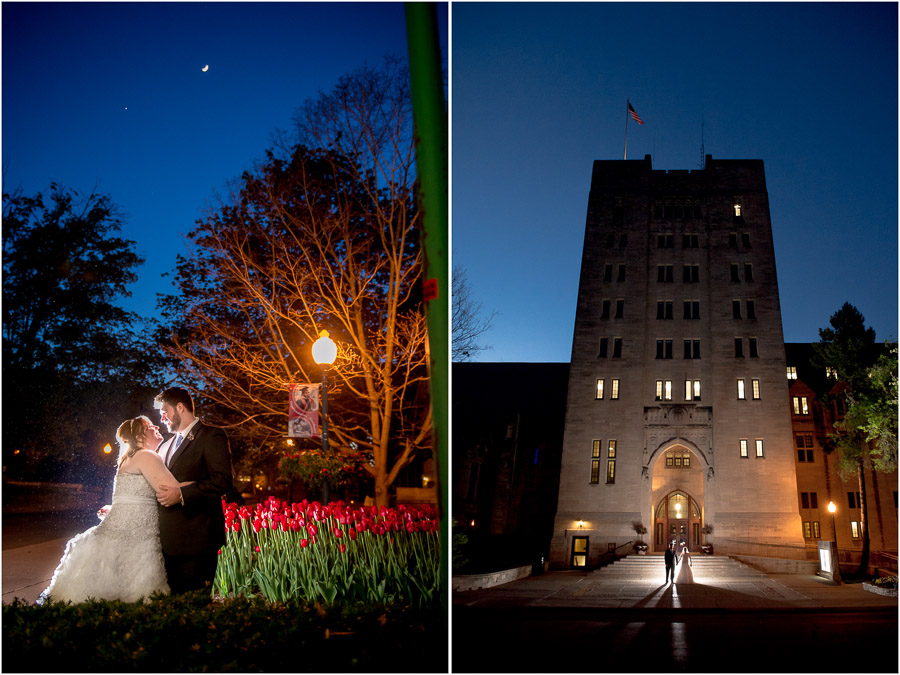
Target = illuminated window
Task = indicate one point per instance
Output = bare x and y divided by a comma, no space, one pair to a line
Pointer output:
595,471
759,448
737,209
615,390
816,531
579,552
792,372
664,390
740,390
692,390
755,385
599,395
801,405
611,449
744,452
595,450
807,530
830,372
855,529
680,458
611,471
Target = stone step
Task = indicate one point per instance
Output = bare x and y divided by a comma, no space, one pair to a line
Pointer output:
637,567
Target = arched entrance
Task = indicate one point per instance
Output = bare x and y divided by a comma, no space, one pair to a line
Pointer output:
678,518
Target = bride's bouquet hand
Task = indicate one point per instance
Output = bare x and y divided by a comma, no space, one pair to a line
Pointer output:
103,512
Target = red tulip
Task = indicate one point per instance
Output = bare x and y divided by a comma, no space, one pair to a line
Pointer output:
304,543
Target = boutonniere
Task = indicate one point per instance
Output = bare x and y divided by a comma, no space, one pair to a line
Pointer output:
190,436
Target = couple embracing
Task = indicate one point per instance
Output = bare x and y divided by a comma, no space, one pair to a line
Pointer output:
165,525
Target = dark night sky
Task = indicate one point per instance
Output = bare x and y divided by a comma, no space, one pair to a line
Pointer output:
539,92
113,95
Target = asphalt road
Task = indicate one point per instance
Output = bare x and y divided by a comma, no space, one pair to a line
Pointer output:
25,529
542,639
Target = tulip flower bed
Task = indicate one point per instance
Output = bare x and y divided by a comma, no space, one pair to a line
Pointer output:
336,553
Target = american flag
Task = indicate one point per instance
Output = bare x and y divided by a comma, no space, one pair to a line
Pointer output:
634,115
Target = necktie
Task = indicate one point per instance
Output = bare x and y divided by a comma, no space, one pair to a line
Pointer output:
178,439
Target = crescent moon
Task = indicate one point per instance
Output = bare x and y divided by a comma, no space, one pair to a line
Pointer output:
205,68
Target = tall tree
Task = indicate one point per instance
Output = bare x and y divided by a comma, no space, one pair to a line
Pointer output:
73,357
469,321
322,235
848,348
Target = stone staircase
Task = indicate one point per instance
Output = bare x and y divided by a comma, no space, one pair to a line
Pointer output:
653,567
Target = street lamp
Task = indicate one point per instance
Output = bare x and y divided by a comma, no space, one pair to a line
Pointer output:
324,353
837,564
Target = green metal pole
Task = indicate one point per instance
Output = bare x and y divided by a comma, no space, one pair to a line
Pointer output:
430,116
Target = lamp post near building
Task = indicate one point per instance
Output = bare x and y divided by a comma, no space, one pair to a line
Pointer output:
324,353
837,565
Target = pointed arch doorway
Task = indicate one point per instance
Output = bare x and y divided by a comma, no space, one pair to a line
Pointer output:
678,518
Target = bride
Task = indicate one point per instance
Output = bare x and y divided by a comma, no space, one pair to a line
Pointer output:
121,558
685,568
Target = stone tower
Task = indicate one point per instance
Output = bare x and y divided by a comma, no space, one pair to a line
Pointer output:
677,413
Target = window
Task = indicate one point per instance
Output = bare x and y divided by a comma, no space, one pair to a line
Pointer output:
751,309
664,390
680,458
801,405
607,272
623,240
816,531
692,390
807,530
691,309
746,239
855,529
617,348
595,471
579,552
611,449
691,273
595,449
735,277
665,240
615,390
664,273
853,500
611,471
737,208
692,349
664,349
754,351
792,372
740,390
739,348
744,452
604,343
620,308
735,309
690,241
604,312
599,394
759,449
748,271
621,276
830,373
813,500
732,240
804,500
664,309
755,387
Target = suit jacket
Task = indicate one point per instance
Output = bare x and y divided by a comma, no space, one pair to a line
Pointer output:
199,525
671,558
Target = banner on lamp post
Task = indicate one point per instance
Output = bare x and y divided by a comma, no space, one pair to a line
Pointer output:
303,410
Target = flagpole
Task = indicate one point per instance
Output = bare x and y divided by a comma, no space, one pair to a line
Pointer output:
626,129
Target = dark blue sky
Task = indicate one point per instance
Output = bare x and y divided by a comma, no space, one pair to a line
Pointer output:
539,92
113,95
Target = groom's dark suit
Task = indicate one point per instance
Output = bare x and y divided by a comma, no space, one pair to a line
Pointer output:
192,533
671,561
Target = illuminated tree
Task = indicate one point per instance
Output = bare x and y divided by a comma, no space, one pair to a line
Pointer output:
321,235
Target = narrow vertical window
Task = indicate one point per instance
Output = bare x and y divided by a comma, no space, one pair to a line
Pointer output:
748,272
611,471
746,239
736,309
599,394
668,349
732,240
611,449
740,390
759,448
735,278
621,276
595,471
595,449
604,344
620,308
755,388
615,390
739,348
754,352
604,312
607,272
751,309
617,348
744,451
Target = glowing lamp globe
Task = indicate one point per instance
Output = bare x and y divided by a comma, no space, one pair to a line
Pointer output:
324,350
831,507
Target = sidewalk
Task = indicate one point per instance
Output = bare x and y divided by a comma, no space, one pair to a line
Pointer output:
27,570
575,589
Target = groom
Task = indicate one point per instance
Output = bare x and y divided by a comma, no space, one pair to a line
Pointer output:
192,525
671,561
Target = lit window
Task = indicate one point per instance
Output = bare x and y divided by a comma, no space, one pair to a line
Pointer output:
759,448
740,390
737,210
692,390
830,372
615,390
611,449
755,384
792,372
744,451
595,450
854,529
611,471
816,531
595,471
801,405
807,530
599,389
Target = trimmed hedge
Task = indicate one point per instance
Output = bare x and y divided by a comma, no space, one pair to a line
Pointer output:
192,633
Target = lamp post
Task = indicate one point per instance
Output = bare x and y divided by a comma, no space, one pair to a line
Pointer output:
324,353
837,565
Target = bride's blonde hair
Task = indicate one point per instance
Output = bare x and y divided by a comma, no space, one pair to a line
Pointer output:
129,434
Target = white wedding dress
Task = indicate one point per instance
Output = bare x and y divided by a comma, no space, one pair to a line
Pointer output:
685,571
119,559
